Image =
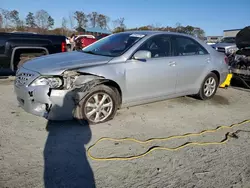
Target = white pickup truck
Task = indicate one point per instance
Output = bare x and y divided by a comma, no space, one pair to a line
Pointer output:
226,45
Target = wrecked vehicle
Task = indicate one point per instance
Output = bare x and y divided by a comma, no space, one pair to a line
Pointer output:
121,70
240,60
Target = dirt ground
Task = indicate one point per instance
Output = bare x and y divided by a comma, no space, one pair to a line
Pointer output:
36,153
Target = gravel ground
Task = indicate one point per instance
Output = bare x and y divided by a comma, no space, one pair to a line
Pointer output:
36,153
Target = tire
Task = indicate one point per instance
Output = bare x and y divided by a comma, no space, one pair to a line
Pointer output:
100,90
203,95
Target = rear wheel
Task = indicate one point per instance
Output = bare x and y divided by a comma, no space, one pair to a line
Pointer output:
208,87
98,106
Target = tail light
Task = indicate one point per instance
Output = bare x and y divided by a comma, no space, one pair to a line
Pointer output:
226,59
63,47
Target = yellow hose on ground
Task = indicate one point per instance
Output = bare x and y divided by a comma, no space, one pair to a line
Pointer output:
164,139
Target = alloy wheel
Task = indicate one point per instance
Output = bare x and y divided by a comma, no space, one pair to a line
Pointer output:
209,87
98,107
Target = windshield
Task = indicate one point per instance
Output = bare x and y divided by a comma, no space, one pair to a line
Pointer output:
228,40
113,45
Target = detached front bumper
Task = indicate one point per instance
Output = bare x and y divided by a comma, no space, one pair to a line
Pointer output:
47,103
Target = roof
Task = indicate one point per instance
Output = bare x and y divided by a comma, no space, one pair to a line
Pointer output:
153,32
144,32
98,30
214,36
232,30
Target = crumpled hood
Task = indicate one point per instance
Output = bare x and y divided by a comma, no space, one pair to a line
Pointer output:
223,45
56,64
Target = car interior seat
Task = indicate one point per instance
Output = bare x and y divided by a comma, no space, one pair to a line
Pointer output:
191,49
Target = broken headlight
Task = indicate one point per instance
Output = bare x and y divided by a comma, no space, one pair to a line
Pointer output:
52,82
70,78
232,50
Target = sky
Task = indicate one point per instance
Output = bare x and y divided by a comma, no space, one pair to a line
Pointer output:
213,16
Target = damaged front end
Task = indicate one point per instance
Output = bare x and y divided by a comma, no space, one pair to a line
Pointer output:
240,67
239,61
53,97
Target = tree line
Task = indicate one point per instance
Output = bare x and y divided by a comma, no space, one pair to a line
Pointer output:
42,22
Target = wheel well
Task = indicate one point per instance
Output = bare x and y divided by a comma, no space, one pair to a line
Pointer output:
27,52
111,83
217,74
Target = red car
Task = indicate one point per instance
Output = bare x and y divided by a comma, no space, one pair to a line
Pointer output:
84,40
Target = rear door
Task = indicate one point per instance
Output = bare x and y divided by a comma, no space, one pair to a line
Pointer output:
192,61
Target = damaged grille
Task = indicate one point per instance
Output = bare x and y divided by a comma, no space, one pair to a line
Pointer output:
220,49
23,78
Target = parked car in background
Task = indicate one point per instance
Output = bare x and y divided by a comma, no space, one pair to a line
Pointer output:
121,70
83,41
18,47
226,45
101,36
88,36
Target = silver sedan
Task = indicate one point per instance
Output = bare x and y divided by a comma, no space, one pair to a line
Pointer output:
120,70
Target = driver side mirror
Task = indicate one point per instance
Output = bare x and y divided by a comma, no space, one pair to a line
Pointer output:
142,55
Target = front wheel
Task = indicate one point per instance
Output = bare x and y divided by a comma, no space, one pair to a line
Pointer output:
98,106
208,87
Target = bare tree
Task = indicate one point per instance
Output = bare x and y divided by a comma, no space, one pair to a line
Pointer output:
93,18
6,18
43,20
14,18
155,26
119,25
64,23
102,21
64,26
178,27
81,19
178,24
1,20
71,21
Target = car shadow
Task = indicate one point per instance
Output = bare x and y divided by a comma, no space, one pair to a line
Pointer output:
65,160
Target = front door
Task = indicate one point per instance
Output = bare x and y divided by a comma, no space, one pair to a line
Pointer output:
155,77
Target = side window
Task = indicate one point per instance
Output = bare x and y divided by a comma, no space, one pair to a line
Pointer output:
159,46
185,46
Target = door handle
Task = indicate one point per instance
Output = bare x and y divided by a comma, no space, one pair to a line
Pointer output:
208,60
172,63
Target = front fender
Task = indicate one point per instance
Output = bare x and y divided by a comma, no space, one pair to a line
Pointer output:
114,72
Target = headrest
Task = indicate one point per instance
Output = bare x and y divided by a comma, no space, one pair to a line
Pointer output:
191,48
